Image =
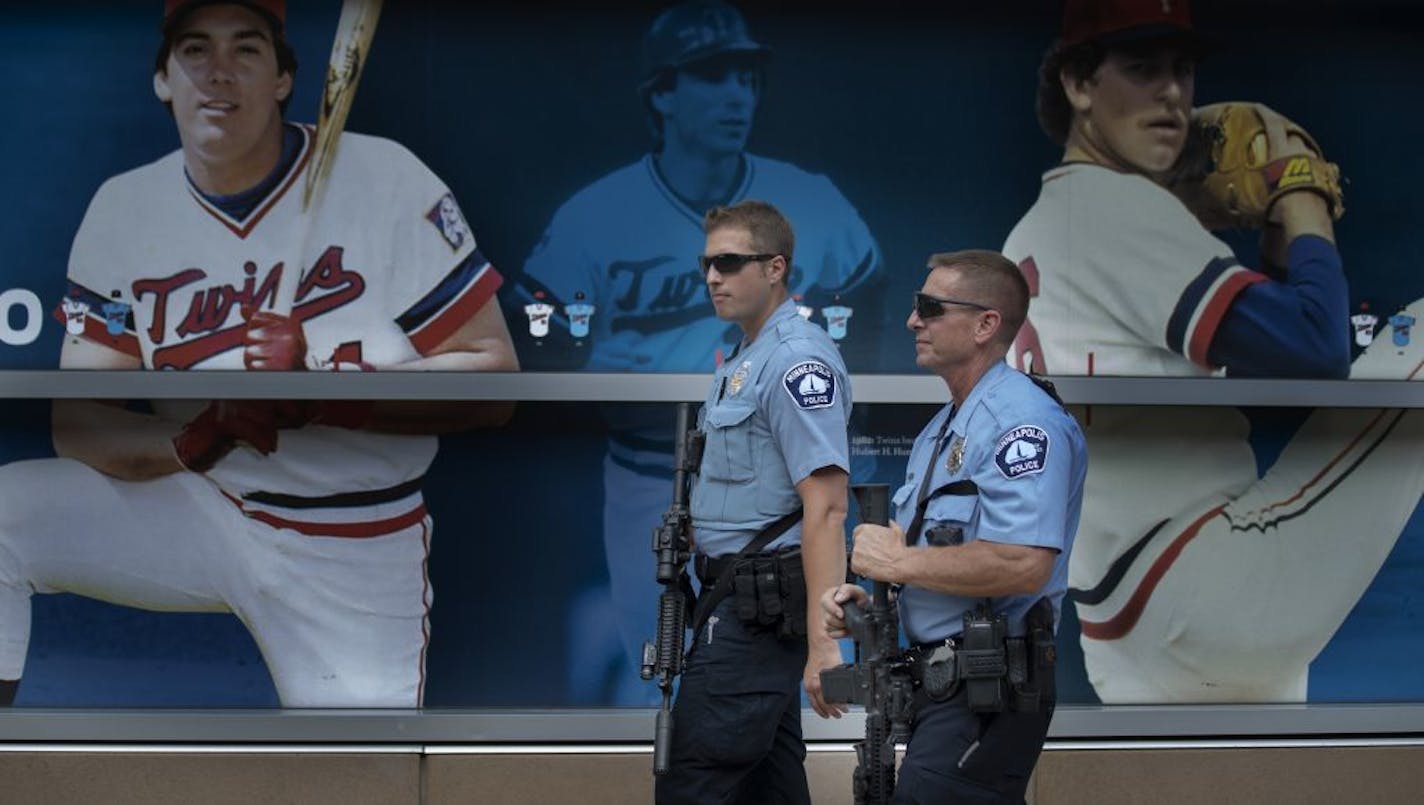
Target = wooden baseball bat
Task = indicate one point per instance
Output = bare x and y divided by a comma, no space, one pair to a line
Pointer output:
354,31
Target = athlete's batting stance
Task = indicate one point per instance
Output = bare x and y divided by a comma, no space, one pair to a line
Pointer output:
1193,579
304,519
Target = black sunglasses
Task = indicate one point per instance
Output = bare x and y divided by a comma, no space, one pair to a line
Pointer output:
729,263
929,307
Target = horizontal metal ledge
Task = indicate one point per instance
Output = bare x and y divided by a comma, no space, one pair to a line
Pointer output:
614,749
610,387
625,725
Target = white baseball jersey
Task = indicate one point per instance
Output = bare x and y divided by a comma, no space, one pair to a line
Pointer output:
390,272
1364,326
1193,579
1138,298
1109,258
75,313
538,313
283,541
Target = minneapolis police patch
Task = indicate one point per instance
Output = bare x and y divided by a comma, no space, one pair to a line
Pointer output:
1022,451
811,385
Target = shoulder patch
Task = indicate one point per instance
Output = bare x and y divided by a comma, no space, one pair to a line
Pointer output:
448,219
1022,451
811,384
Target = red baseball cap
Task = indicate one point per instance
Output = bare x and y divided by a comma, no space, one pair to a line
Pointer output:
1116,21
276,9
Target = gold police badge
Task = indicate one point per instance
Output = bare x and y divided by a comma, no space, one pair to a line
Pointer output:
956,454
739,377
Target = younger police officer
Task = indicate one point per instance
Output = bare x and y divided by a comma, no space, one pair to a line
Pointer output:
991,500
775,422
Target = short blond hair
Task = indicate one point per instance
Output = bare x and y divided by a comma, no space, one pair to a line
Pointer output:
770,231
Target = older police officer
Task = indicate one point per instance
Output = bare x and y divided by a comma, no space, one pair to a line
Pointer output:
992,492
768,510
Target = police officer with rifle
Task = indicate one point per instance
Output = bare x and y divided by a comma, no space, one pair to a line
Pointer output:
768,514
992,494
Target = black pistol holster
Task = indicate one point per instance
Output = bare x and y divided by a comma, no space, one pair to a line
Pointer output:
1033,682
1019,674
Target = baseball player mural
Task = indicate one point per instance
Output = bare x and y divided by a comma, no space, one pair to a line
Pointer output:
1195,580
305,519
623,251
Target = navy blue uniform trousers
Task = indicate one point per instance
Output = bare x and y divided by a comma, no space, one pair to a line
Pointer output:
956,755
737,718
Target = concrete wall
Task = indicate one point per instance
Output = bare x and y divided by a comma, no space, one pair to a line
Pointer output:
1066,776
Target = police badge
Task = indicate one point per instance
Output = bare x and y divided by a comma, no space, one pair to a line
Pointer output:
739,377
956,454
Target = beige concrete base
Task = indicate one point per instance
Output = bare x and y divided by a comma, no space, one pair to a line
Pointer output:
591,779
68,778
1326,775
1297,775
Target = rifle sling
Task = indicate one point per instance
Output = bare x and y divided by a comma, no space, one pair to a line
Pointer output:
711,598
963,487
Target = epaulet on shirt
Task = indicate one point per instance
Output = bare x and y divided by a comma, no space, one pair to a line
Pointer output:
786,329
793,327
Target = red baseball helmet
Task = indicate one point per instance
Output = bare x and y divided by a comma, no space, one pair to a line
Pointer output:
1117,21
276,9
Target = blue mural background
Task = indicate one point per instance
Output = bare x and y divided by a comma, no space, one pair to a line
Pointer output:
923,117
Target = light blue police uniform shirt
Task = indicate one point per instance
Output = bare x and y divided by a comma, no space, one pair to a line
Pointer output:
1027,456
777,412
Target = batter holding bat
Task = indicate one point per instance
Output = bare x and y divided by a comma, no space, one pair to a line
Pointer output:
305,519
1194,579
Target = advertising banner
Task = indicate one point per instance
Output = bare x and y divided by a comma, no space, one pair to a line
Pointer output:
522,186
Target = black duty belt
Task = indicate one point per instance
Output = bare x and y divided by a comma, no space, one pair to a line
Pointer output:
920,649
711,568
713,594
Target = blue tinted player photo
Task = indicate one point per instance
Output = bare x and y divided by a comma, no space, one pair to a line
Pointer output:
624,251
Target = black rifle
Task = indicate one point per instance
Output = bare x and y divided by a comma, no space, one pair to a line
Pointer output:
672,547
880,678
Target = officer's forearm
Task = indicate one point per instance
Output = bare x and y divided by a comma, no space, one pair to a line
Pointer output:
978,568
823,552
